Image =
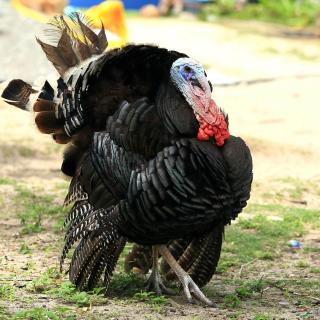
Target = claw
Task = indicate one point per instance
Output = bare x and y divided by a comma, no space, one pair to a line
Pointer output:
155,284
189,287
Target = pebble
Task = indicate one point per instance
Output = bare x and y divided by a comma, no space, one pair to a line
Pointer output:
284,303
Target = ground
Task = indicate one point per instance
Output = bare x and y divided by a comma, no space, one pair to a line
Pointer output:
259,275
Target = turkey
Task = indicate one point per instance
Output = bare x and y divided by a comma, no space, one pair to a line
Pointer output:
149,152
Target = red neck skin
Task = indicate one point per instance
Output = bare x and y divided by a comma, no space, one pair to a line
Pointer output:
213,124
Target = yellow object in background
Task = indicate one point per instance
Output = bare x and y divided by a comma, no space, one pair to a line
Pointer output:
28,12
111,13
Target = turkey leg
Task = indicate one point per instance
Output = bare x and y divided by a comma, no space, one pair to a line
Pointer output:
188,285
154,282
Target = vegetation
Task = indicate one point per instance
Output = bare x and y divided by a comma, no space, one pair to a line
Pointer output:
289,12
259,237
41,314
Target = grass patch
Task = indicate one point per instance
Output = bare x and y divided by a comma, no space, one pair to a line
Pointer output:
25,249
303,264
51,283
262,316
4,315
231,301
7,181
311,249
31,207
245,289
46,281
288,12
67,292
126,284
150,298
7,292
253,290
315,270
262,238
58,313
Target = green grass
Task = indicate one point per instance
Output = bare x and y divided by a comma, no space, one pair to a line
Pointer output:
150,298
126,284
7,181
262,317
25,249
59,313
47,281
256,236
51,283
7,292
287,12
260,237
4,315
315,270
244,289
67,292
231,301
303,264
31,206
248,291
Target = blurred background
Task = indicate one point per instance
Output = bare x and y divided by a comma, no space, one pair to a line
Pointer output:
263,58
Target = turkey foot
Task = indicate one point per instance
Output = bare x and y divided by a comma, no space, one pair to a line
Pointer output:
189,287
155,283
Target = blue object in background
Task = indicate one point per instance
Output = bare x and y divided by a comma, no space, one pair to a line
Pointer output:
83,3
128,4
295,244
137,4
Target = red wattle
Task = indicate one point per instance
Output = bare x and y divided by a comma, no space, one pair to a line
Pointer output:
213,126
202,136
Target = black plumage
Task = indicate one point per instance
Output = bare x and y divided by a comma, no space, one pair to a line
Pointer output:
140,170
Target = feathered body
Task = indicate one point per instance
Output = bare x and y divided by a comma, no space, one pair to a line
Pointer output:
145,165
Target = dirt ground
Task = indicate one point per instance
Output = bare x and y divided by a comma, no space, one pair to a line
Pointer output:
278,119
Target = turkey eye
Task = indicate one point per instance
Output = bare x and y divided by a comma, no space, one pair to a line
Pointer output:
187,69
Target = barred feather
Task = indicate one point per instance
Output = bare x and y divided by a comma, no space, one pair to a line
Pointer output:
79,212
80,230
207,257
17,93
75,193
98,250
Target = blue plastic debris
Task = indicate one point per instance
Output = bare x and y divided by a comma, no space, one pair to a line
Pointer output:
295,244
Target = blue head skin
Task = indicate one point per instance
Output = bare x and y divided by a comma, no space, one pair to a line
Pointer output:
190,79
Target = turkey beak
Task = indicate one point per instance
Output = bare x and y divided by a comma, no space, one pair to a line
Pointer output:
201,89
196,83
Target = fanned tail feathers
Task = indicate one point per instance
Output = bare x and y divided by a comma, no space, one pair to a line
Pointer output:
76,41
59,112
99,242
99,247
